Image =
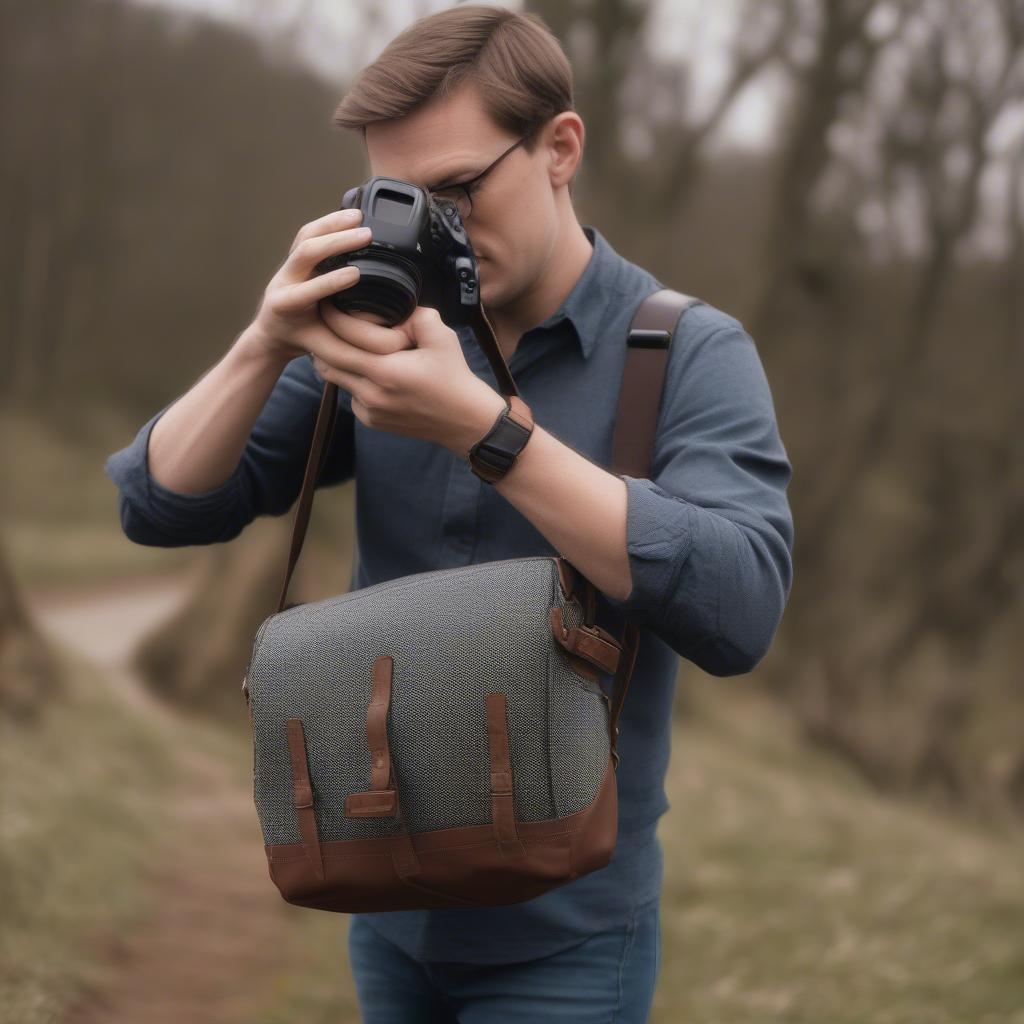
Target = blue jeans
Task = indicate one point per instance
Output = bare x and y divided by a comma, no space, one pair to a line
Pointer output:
609,977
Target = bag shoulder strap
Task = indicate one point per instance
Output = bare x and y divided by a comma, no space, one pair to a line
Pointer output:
643,379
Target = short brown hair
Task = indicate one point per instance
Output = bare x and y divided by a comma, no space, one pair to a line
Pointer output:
517,64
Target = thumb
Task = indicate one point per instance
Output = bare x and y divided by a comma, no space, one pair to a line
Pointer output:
426,327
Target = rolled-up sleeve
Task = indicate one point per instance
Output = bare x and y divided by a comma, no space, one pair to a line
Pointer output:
710,533
266,481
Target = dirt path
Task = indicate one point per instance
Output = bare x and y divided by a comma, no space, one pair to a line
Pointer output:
219,931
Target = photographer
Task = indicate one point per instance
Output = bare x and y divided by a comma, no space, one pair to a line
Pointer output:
475,104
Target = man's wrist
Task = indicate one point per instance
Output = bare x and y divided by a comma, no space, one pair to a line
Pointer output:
256,346
497,451
485,414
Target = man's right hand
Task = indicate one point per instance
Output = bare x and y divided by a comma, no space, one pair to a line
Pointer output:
288,322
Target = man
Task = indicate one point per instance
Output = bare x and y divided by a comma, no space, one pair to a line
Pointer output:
699,554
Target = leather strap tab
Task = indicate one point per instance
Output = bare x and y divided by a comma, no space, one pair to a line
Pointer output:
503,812
302,795
592,643
379,800
373,803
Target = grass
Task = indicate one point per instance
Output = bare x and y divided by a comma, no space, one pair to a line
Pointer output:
796,894
81,820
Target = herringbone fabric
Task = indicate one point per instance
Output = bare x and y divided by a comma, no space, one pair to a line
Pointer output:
454,636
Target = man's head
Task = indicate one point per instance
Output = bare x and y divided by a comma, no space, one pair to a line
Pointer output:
450,95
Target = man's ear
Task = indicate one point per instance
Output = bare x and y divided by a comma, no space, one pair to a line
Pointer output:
564,136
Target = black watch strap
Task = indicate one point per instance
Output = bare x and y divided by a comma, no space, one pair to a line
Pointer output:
496,452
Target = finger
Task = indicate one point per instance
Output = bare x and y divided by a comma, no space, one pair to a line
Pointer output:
309,252
336,220
360,409
422,322
295,297
337,353
354,383
367,317
367,335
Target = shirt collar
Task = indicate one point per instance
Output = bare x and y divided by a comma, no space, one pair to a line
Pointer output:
586,304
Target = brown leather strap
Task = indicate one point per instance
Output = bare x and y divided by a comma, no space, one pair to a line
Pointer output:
380,800
592,643
302,794
643,379
488,341
503,813
319,447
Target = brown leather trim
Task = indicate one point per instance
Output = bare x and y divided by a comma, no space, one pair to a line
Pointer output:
380,799
503,812
583,668
374,803
566,577
576,587
302,795
376,722
462,866
593,643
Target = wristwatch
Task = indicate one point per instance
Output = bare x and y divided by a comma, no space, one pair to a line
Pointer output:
496,452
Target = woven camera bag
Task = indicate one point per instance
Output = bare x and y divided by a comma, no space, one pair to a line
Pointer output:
443,739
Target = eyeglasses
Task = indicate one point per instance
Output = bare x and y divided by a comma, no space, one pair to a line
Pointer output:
462,193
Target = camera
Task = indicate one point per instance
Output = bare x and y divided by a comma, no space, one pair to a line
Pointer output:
419,255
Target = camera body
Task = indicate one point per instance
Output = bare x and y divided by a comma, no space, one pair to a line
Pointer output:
418,255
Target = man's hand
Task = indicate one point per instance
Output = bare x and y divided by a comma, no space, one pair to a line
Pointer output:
410,379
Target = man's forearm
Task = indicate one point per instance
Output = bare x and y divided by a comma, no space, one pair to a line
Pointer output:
578,506
196,444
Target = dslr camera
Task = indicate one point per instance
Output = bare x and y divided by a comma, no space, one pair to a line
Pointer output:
419,255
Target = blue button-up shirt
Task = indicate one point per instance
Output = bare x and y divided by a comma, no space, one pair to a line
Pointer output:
709,538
